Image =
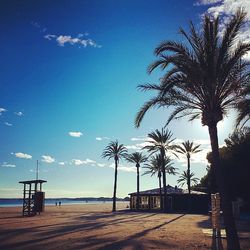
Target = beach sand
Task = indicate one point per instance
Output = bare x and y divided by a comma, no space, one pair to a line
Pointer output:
90,226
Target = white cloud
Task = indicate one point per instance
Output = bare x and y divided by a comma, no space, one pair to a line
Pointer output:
102,138
101,165
19,113
78,162
123,168
207,2
7,165
8,124
48,159
61,163
138,139
226,9
78,40
127,169
2,110
49,37
75,134
133,147
138,146
195,141
23,155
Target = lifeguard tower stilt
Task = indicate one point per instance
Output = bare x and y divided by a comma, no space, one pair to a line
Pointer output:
33,197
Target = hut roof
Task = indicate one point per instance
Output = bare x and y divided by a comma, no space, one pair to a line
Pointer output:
170,190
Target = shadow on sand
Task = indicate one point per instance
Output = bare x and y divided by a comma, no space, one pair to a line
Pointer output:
41,237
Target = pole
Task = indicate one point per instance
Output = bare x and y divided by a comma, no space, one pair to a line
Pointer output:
36,169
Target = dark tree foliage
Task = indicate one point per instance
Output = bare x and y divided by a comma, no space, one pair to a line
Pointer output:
235,162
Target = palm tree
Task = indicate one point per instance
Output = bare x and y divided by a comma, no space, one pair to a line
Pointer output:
137,158
155,167
187,148
186,178
160,141
204,81
117,152
243,107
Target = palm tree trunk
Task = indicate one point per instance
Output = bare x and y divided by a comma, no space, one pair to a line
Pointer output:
226,204
115,184
159,176
188,173
138,186
164,181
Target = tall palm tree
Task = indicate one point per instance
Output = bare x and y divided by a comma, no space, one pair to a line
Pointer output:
117,152
187,148
137,158
160,141
243,107
186,178
154,167
204,81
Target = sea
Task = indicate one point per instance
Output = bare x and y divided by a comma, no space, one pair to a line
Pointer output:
53,202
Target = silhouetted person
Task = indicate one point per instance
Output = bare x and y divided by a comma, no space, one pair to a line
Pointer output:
60,203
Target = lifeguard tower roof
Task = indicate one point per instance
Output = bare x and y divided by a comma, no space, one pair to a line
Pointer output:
32,181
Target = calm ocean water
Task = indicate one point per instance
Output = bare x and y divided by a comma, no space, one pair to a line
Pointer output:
18,202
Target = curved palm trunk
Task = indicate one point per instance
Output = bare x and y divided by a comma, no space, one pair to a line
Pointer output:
115,184
232,236
164,182
188,173
159,176
138,186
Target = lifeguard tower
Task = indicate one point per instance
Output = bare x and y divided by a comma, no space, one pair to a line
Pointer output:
33,197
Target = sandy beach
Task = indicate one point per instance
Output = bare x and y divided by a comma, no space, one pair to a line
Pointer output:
92,226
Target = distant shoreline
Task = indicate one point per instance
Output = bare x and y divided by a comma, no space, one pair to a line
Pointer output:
64,201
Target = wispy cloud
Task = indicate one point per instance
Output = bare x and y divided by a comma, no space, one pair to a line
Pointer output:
78,162
102,138
75,134
19,113
68,39
22,155
8,124
81,40
207,2
61,163
48,159
7,165
89,162
38,26
2,110
101,165
123,168
138,146
138,139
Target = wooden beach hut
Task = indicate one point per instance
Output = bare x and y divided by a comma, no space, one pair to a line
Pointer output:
178,200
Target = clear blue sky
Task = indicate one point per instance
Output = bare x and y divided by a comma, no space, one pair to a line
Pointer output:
73,66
